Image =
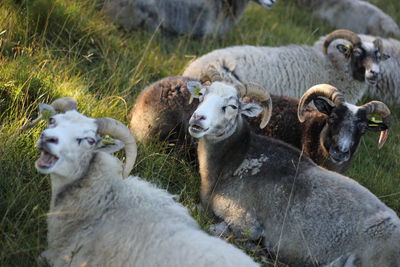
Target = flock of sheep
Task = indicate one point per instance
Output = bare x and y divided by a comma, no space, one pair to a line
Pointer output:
270,152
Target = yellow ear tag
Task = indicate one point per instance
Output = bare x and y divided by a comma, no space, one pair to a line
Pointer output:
107,142
375,119
348,47
46,114
196,91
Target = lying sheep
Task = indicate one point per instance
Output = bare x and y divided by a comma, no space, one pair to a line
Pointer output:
163,110
387,88
262,187
355,15
330,135
200,18
289,70
96,218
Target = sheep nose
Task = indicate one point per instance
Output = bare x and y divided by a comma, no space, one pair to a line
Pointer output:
49,139
199,117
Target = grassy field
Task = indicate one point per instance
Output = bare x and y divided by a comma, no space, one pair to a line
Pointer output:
54,48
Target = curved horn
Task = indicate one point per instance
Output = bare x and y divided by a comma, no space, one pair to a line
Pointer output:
62,104
341,34
325,90
211,75
377,107
119,131
260,93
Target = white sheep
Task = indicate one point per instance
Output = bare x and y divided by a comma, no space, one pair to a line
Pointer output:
204,17
96,218
290,70
388,86
262,187
355,15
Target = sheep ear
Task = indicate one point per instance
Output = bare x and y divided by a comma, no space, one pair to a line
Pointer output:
345,49
323,106
109,145
46,111
250,109
196,89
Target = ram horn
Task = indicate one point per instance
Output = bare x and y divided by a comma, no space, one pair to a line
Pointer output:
258,92
61,104
350,36
119,131
325,90
377,107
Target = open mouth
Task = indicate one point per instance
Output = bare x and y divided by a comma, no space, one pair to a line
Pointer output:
194,128
372,81
46,160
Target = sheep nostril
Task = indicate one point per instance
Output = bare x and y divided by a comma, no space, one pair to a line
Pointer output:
199,117
50,139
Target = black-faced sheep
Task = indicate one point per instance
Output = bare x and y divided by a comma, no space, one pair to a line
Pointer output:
329,135
290,70
96,218
260,186
200,18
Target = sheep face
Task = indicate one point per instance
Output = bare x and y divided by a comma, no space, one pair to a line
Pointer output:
345,125
218,114
365,60
67,145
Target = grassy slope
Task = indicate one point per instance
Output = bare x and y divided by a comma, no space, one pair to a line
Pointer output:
56,48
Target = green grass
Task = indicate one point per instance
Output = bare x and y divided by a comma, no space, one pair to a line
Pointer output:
54,48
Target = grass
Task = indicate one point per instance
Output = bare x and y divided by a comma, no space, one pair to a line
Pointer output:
54,48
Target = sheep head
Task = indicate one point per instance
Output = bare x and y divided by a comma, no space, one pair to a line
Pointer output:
220,109
344,123
364,57
69,142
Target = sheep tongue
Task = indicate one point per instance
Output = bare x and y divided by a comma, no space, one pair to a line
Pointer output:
46,160
382,138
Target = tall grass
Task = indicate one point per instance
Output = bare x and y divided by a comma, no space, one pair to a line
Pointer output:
54,48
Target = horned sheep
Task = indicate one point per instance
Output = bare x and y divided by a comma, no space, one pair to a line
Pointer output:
97,218
387,88
262,187
289,70
200,18
162,110
329,134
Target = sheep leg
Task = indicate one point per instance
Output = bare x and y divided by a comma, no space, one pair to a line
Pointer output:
242,222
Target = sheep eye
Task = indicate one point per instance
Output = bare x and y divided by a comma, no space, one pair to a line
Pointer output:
233,106
90,141
51,121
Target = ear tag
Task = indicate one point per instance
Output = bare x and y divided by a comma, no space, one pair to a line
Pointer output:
375,121
46,114
347,47
196,91
108,142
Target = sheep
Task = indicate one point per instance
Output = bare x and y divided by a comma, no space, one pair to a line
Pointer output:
262,187
355,15
329,135
199,18
289,70
387,88
96,218
163,110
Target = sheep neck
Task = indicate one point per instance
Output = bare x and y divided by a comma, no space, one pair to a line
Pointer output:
82,202
216,158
